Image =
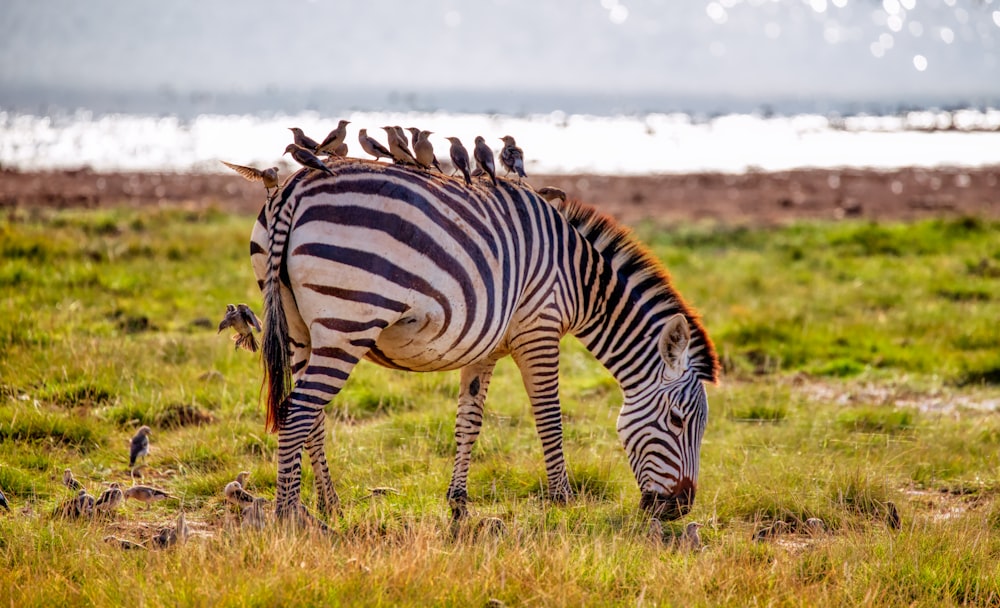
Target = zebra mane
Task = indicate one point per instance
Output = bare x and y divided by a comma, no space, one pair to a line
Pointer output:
629,257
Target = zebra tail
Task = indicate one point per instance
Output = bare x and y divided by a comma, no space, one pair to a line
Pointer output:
274,346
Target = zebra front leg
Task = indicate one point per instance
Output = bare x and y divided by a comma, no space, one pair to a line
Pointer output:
327,501
537,356
468,422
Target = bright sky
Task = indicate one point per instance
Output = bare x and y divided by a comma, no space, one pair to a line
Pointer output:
851,49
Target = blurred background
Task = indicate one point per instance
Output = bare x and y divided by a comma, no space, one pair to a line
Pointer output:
176,85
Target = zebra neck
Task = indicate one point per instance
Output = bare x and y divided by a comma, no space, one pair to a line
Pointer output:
622,333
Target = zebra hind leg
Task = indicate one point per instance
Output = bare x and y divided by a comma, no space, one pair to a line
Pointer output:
468,422
327,501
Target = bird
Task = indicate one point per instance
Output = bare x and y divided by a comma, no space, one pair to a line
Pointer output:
269,176
146,494
242,478
82,505
139,445
778,527
255,515
70,482
512,157
334,139
815,525
306,158
178,534
484,158
551,193
655,530
3,502
124,544
397,147
690,539
244,321
110,499
414,136
341,150
236,495
303,140
892,515
460,158
370,145
423,151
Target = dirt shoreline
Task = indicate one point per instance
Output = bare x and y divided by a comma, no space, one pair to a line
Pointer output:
747,198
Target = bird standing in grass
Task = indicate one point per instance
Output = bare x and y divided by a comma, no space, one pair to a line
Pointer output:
146,494
235,494
110,499
655,530
334,140
268,176
460,158
138,446
303,140
690,539
255,515
124,544
815,525
512,157
82,505
307,159
178,534
550,193
423,151
70,482
242,478
244,321
484,158
370,145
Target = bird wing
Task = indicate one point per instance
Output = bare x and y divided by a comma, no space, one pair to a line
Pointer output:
249,316
378,147
248,173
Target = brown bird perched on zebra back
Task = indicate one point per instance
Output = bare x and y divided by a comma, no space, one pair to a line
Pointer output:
460,158
550,193
307,159
484,158
512,157
397,146
372,146
423,151
303,140
334,140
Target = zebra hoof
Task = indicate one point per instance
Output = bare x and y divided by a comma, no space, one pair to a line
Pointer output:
298,517
561,496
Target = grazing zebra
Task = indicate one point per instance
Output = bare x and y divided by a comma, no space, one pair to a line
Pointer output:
417,271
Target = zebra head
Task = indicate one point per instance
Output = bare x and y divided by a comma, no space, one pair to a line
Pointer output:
662,422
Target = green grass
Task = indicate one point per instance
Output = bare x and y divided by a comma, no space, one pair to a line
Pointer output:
861,368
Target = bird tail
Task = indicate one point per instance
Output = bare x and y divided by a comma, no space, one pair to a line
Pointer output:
275,354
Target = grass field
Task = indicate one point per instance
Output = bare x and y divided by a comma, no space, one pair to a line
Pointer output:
861,368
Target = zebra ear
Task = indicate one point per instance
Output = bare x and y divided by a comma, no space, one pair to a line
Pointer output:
673,344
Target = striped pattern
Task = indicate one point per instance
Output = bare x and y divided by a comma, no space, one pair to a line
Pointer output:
417,271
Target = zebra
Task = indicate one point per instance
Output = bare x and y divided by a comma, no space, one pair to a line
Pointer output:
416,271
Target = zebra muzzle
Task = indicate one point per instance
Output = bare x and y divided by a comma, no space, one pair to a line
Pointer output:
669,506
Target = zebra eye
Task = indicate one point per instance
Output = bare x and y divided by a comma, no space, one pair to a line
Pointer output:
676,419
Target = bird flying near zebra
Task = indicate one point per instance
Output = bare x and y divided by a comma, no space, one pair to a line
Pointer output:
414,271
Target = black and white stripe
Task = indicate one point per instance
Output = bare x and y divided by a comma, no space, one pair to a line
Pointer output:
417,271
